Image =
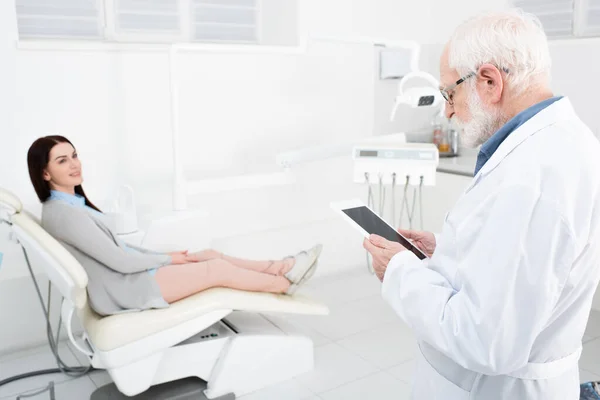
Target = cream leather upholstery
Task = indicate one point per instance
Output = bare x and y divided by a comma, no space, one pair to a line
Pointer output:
10,202
61,262
111,332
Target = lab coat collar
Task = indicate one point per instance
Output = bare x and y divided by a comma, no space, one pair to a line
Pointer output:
558,111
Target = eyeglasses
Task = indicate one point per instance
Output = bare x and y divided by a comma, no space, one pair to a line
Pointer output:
446,91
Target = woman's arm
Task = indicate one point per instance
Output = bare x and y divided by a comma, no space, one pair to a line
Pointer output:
76,228
142,249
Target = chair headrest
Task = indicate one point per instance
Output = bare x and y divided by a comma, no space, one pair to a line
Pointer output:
10,202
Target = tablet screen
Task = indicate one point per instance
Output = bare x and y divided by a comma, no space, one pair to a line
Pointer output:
371,223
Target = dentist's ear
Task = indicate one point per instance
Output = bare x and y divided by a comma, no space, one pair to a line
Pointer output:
490,82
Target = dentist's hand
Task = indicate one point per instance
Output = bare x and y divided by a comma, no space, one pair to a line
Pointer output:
425,241
382,251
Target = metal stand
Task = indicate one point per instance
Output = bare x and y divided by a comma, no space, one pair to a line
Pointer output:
410,211
370,204
49,389
184,389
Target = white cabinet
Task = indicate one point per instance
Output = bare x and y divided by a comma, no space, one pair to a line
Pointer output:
439,199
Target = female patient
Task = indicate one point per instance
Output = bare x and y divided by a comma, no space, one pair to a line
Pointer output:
123,277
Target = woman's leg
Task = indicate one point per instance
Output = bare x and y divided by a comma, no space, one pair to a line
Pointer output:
275,267
179,281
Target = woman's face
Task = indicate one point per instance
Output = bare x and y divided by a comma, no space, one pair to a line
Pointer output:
63,171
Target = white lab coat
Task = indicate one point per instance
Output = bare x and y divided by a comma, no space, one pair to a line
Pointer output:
501,307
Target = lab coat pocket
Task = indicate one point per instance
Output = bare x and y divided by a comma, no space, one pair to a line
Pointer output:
431,384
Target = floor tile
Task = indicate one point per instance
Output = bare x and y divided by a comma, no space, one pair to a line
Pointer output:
356,285
350,318
292,327
25,353
380,386
100,378
74,389
586,376
405,371
590,359
334,366
587,339
34,361
384,346
593,326
288,390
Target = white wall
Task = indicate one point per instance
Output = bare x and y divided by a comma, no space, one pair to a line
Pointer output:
572,59
386,19
279,22
114,106
7,83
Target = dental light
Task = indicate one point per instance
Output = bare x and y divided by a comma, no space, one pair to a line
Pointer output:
421,96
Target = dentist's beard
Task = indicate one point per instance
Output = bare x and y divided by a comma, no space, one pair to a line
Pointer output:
483,124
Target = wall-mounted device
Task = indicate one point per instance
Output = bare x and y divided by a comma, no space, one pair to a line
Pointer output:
399,163
398,59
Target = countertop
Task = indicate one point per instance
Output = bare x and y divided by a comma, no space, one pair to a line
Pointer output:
463,164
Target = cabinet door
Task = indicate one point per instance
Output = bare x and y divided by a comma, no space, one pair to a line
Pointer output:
438,200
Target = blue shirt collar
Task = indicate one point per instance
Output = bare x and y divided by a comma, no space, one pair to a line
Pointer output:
73,199
492,144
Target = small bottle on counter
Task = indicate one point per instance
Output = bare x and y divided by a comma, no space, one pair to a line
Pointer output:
453,140
438,131
444,146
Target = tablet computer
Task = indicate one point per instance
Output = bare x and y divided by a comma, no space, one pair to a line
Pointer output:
367,222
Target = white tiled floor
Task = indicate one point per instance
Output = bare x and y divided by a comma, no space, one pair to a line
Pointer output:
362,351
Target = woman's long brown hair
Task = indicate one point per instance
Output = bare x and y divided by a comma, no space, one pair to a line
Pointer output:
38,157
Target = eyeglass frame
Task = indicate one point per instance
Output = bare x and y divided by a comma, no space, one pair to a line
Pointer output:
446,91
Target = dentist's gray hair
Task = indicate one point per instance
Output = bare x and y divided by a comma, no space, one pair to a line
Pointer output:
512,40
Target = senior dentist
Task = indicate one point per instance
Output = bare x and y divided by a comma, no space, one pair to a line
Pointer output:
500,307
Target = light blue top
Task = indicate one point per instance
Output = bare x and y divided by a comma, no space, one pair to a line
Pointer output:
78,200
492,144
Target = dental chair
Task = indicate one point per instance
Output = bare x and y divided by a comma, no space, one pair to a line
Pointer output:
191,338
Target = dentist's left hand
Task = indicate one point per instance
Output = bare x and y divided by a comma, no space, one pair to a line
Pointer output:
382,251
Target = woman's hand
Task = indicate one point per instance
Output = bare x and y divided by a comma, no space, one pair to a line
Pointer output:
180,257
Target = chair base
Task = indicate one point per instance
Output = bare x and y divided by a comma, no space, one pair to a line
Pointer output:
184,389
239,355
